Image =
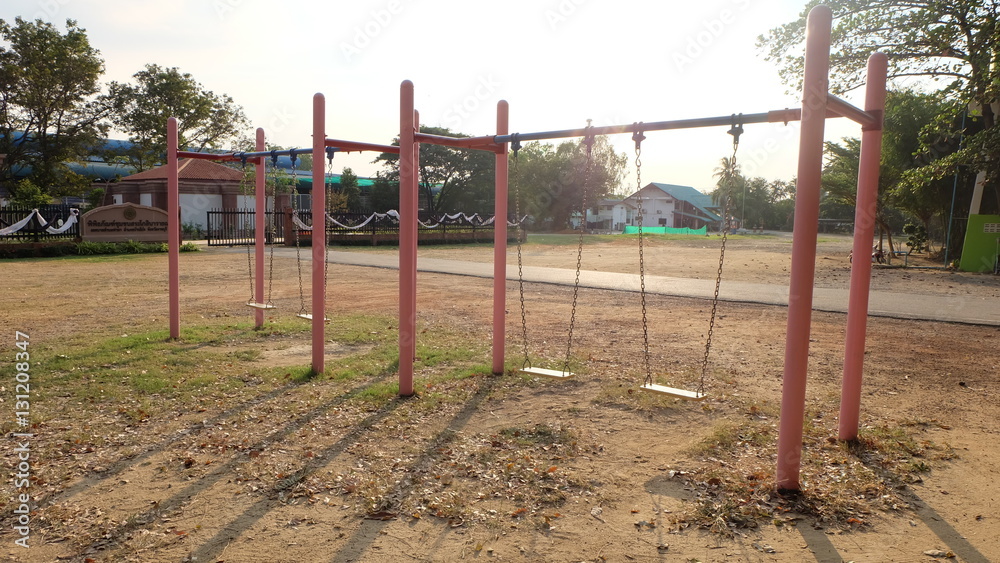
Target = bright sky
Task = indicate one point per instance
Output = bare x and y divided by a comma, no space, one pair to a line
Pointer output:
558,63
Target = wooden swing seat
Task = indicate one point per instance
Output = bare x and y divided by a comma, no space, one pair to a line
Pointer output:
674,392
260,305
551,373
308,316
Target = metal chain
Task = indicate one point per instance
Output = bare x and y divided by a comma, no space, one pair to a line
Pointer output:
270,227
244,188
735,131
589,141
298,246
326,255
515,147
638,137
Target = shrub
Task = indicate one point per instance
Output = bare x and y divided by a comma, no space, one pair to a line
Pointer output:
89,248
132,247
916,237
27,194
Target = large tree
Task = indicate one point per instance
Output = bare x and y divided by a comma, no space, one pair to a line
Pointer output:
953,43
349,190
48,112
385,193
908,114
204,119
450,180
550,179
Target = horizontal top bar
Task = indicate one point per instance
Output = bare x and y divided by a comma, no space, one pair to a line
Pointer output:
239,156
776,116
256,157
487,143
844,108
225,157
283,152
349,146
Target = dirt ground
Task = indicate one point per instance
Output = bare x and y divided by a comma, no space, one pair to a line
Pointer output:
279,471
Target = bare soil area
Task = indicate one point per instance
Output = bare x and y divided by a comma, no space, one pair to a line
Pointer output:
263,465
749,258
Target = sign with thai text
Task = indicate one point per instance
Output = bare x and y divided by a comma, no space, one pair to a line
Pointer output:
125,221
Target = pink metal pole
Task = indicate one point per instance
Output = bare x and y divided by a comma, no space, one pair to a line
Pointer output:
864,232
800,291
407,235
173,230
260,209
318,236
500,243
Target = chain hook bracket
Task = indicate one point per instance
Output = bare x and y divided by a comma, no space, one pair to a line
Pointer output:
274,157
588,137
515,144
736,130
330,151
637,135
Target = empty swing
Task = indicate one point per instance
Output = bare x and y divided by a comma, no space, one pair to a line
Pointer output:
298,225
526,366
252,300
648,385
303,313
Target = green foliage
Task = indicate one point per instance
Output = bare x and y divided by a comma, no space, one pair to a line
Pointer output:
88,248
945,40
95,198
450,179
753,202
915,138
204,119
27,194
193,230
127,247
349,190
956,44
916,237
48,79
908,115
550,179
385,193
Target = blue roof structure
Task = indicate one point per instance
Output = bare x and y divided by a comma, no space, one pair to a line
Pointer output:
96,168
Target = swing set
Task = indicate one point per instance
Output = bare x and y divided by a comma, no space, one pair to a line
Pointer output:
817,106
648,384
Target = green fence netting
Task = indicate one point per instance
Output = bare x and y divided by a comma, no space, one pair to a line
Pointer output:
631,230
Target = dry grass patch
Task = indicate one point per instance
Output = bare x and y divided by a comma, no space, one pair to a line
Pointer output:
844,484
